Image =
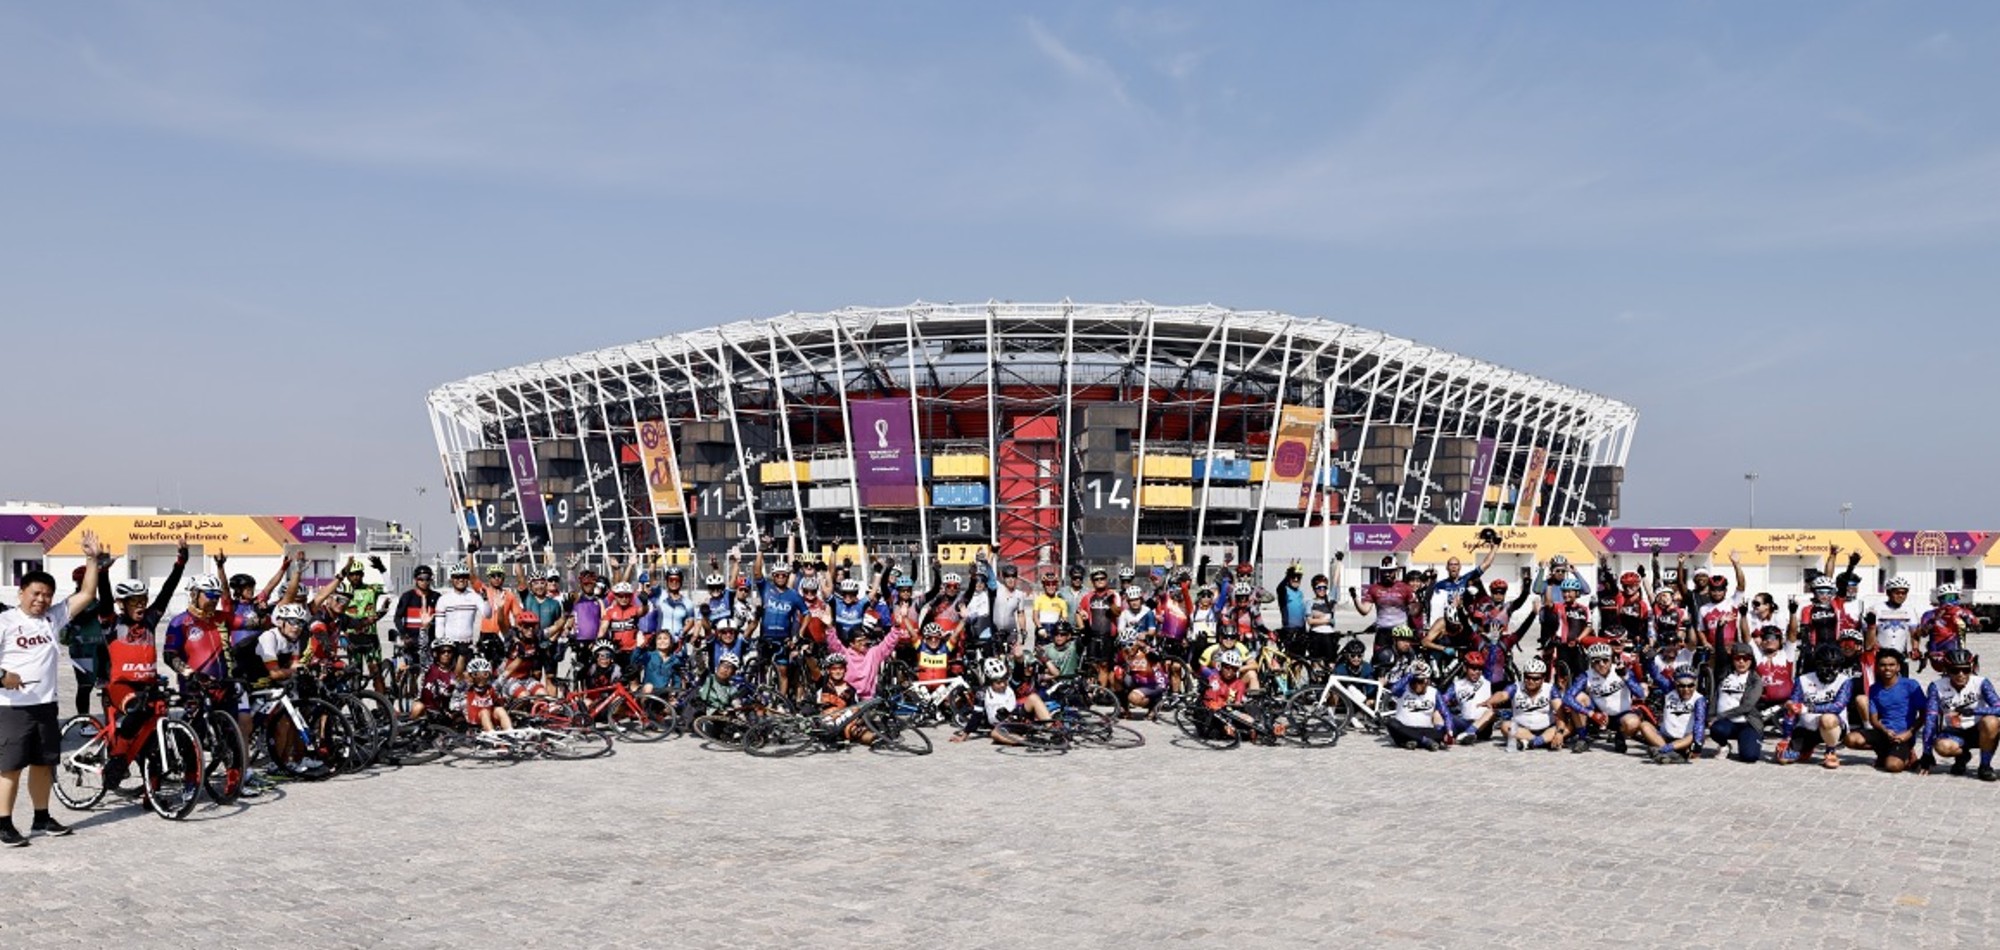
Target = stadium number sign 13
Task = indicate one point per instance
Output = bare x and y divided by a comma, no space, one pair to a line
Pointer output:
961,526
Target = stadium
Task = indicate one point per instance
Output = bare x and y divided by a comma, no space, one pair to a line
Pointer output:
1059,433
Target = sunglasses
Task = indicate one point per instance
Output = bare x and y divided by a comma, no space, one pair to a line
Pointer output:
210,594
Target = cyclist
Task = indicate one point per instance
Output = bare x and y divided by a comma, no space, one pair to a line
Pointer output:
1050,607
1565,625
1420,719
935,654
1817,711
1013,608
1897,710
460,612
1964,715
1683,722
1353,661
1535,724
1471,700
1776,660
1389,601
1140,676
437,687
1717,617
1060,657
719,603
1394,663
671,607
658,664
585,618
1628,613
1733,713
837,701
725,687
483,706
861,660
621,622
414,610
1099,613
524,673
728,644
1605,696
134,667
501,608
1670,656
1943,627
999,700
1137,618
1819,623
1454,585
851,609
603,671
197,643
278,646
1559,573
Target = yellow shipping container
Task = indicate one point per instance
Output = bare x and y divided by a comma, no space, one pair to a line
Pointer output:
961,466
1157,555
1257,473
1166,496
782,473
1166,466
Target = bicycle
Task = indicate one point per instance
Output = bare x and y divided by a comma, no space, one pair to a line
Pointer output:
303,738
531,741
165,750
228,761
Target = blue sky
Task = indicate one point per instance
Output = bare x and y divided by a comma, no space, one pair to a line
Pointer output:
242,240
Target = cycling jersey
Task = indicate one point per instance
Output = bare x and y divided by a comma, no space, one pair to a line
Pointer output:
739,651
134,661
1668,665
459,615
1100,610
1139,623
1818,697
1670,620
1953,707
1944,625
1684,717
1718,622
1894,626
478,700
1565,623
1392,603
437,686
1819,624
1050,609
933,663
998,702
1629,616
547,608
847,617
1467,696
1413,708
1729,690
1224,692
201,643
500,604
1534,709
414,610
782,607
1775,669
1611,694
273,649
246,621
621,622
524,658
588,611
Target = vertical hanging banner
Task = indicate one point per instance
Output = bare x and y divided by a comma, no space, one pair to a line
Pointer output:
1531,486
1482,472
885,453
1292,446
527,483
663,479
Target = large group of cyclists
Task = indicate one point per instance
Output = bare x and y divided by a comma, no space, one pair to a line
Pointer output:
253,685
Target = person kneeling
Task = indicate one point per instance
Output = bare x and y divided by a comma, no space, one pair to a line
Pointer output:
1683,722
1419,720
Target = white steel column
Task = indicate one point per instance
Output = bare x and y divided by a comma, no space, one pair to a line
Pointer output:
1138,477
1214,422
785,430
854,464
922,566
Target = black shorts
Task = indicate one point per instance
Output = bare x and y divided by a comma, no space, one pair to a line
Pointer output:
29,735
1883,746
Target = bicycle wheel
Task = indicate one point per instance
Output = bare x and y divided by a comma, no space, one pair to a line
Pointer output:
1206,727
364,736
80,770
721,730
312,754
170,770
415,744
1311,725
1119,736
1034,734
569,744
894,734
228,758
638,720
1102,701
777,737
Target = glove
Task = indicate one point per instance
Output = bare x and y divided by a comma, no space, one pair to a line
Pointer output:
1599,718
1795,708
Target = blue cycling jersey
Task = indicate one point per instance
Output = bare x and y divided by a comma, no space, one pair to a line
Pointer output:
782,609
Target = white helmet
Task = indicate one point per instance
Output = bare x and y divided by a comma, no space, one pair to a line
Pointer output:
1132,592
478,665
206,583
1945,590
1598,651
713,580
952,577
622,587
1126,574
728,659
1537,667
809,586
1899,582
994,668
128,589
1229,658
850,586
1420,670
782,567
295,613
1822,583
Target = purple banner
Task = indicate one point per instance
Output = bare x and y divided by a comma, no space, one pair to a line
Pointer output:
316,529
1482,472
527,484
1644,540
20,529
1931,543
1376,537
885,453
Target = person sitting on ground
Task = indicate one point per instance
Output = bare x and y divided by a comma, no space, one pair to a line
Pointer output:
1683,720
1141,677
1897,707
1420,718
1471,701
1964,715
1000,701
1605,696
1817,711
1535,724
484,709
837,703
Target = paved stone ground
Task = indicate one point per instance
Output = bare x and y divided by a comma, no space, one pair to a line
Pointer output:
672,845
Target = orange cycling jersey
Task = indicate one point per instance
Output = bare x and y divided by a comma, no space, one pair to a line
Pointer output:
503,603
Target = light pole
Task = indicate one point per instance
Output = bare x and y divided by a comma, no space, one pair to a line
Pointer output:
1845,507
1751,477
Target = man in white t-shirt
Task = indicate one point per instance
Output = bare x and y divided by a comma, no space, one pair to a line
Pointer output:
30,737
459,613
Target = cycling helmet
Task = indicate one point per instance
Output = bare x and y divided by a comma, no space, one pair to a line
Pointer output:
1132,592
524,619
904,583
726,622
871,621
782,567
423,572
953,577
293,613
834,659
932,630
1354,648
1536,667
1229,658
809,586
478,666
492,571
1420,670
1475,661
850,586
239,581
713,580
675,573
460,570
1063,628
1629,578
552,575
1097,574
1899,582
1128,636
128,589
1205,593
1403,632
1943,591
728,659
1852,633
1822,584
1770,631
622,587
1572,583
1559,561
1499,586
1126,574
1685,678
1597,651
993,668
1960,659
206,583
1827,661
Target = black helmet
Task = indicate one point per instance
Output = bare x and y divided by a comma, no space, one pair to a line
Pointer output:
1959,659
1063,628
1354,648
239,581
1828,660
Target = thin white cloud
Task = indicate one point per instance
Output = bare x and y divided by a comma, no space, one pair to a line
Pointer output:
1086,69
